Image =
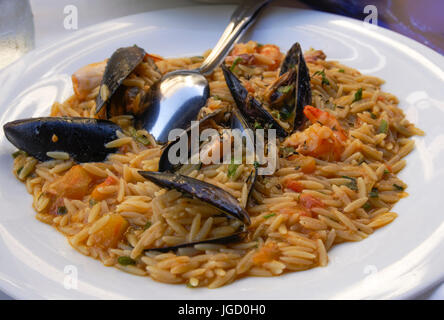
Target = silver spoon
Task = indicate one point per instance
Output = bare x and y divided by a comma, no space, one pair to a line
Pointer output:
179,95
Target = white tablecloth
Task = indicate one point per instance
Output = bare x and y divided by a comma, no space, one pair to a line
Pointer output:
48,24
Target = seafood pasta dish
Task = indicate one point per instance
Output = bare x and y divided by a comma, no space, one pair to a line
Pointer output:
336,140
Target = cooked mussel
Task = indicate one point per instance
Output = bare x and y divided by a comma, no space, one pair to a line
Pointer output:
283,101
84,139
220,120
250,108
206,192
121,90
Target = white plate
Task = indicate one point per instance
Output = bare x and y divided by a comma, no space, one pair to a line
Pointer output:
398,261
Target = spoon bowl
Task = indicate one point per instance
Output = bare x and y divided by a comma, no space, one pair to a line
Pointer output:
178,97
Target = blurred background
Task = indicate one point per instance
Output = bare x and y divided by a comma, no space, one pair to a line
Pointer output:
28,24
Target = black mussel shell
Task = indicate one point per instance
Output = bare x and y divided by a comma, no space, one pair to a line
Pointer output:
83,139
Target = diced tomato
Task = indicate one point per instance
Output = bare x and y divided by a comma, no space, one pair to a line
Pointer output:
96,194
112,232
75,184
267,253
294,185
309,202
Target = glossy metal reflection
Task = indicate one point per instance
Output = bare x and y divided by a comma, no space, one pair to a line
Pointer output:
177,100
179,95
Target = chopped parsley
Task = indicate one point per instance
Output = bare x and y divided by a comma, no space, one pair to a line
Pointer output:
62,210
18,153
386,171
256,164
367,205
374,193
373,116
398,187
341,70
232,168
216,97
19,170
268,216
358,95
285,89
92,202
352,185
143,139
324,78
147,225
257,125
285,114
125,261
235,62
383,127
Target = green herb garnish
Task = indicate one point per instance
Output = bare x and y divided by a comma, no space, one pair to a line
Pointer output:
62,210
125,261
341,70
235,62
92,202
386,171
285,89
256,164
373,116
398,187
367,205
232,168
147,225
19,170
18,153
383,127
358,95
352,185
257,125
139,137
216,97
268,216
285,114
374,193
324,78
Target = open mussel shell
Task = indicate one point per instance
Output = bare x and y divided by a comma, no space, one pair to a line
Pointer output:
207,121
206,192
249,107
227,119
235,237
83,139
285,98
294,59
122,62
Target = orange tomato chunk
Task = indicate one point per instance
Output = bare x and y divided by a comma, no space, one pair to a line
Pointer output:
112,232
267,253
97,195
75,184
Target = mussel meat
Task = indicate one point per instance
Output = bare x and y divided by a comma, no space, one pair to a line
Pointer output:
283,101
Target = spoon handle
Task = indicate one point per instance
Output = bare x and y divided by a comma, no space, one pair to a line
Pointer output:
240,20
